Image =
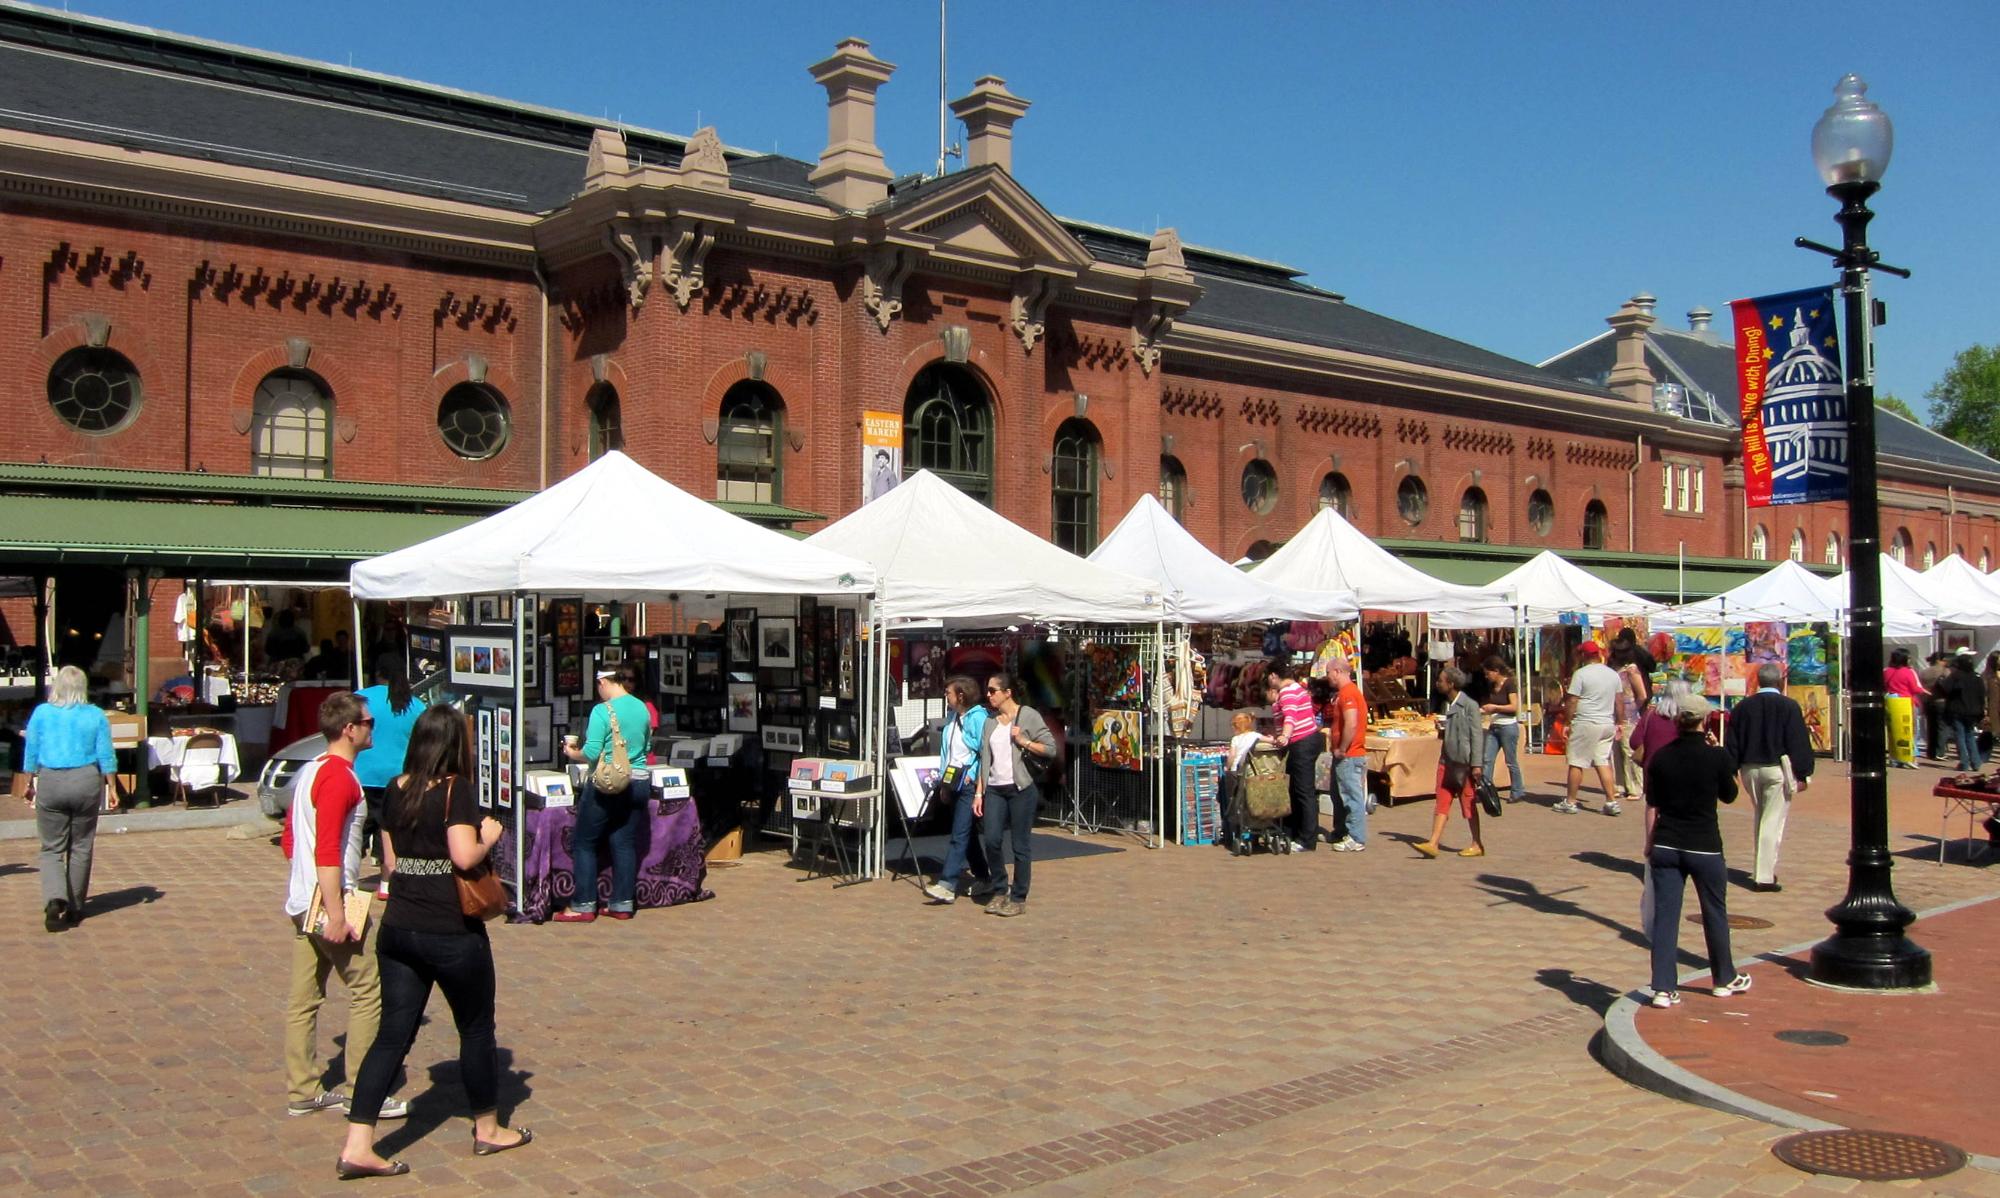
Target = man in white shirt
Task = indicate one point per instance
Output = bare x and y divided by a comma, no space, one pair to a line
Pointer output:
1590,713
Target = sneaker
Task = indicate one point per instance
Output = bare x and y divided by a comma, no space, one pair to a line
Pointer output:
982,888
1738,986
55,915
1368,805
998,901
1666,998
1565,808
1349,845
1296,847
325,1100
1612,808
1008,909
941,894
392,1108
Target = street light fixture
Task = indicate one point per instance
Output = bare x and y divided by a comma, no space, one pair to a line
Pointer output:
1851,146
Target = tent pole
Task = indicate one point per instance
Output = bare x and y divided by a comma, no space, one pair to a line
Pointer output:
515,800
360,678
1159,736
249,596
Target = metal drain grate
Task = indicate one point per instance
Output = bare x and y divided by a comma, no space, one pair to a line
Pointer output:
1812,1037
1741,923
1869,1155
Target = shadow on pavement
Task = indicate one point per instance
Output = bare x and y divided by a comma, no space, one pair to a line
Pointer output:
118,900
443,1101
1526,893
15,867
1584,992
1617,865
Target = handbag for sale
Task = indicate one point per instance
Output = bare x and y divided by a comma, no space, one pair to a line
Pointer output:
1489,798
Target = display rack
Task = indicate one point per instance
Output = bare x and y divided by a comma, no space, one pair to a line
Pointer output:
1200,790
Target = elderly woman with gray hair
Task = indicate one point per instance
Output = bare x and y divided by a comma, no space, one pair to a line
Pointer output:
1458,765
68,751
1655,729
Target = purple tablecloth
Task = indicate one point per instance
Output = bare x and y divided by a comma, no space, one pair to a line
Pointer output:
671,863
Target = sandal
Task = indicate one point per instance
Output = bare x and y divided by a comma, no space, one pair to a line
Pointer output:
482,1148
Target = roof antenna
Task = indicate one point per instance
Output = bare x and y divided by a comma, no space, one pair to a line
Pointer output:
945,148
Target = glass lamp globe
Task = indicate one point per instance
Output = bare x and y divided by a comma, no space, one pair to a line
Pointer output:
1853,139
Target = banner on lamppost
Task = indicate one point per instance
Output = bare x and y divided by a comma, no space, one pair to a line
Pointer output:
881,454
1794,401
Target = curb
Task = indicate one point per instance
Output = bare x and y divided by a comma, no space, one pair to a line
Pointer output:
1627,1055
113,822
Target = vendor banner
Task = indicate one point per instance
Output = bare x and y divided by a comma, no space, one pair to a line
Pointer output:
881,454
1793,399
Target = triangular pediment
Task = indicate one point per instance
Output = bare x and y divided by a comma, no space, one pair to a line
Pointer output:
983,217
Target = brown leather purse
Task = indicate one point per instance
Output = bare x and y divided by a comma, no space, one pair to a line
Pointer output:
480,894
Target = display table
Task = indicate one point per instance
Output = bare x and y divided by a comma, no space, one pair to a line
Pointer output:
1971,803
165,752
671,865
1409,762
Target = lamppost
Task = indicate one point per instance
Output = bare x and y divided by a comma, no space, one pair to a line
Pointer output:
1851,146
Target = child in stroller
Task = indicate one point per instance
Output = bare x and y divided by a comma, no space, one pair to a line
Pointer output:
1259,793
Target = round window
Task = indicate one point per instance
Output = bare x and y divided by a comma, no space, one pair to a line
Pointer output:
1541,513
1413,500
473,421
1260,487
94,390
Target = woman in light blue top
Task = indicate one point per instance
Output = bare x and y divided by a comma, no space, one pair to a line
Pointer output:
601,815
69,753
395,711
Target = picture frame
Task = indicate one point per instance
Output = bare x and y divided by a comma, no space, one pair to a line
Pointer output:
538,742
778,642
531,643
808,642
742,707
845,624
674,672
484,765
739,625
782,739
480,663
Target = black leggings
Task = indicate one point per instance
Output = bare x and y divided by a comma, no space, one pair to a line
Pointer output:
461,965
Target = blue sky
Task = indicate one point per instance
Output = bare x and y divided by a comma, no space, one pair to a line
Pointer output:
1505,174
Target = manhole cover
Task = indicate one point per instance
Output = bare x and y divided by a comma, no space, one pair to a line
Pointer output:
1812,1038
1869,1155
724,864
1742,923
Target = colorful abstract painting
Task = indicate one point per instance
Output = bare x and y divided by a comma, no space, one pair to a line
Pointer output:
1114,739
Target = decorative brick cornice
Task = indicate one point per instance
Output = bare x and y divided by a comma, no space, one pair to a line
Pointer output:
351,296
464,310
1187,401
1415,432
1319,418
1617,457
1260,410
1085,349
87,266
1478,440
1542,448
749,299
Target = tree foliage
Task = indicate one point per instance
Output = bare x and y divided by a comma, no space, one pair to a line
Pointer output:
1965,403
1891,403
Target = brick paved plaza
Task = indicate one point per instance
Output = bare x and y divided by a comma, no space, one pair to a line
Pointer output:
1176,1021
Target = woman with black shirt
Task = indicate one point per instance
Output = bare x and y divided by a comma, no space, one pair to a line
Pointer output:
433,822
1684,781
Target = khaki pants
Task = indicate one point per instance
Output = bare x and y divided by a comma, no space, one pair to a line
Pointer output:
1770,793
1631,779
312,960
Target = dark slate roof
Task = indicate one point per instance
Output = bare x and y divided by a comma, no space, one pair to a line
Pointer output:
96,80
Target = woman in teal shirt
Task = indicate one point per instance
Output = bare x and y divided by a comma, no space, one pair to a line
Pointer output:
614,815
395,710
68,751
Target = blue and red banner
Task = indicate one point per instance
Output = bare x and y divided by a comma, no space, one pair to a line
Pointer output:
1794,399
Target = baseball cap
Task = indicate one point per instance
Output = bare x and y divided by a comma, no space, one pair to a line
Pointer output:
1695,706
1591,649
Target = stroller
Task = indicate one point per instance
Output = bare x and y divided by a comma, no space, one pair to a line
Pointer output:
1260,800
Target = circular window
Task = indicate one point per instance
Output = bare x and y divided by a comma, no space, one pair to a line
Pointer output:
1541,513
1413,500
94,390
1260,487
473,421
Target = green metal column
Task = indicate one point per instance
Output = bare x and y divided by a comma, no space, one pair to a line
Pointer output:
142,682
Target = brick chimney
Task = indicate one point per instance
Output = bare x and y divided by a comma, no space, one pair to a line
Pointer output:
851,172
989,112
1630,376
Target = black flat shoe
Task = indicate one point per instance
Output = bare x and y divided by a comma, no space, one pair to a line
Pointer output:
348,1172
55,916
482,1148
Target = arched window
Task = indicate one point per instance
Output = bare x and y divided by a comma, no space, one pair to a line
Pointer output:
947,429
1336,493
291,426
748,465
1833,549
1985,561
1596,525
1472,515
1760,543
1959,550
1413,499
1541,512
607,422
1173,487
94,390
1798,553
1259,550
1073,486
1930,554
1260,487
1899,546
474,421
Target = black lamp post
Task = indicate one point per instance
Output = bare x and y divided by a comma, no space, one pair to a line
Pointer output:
1851,146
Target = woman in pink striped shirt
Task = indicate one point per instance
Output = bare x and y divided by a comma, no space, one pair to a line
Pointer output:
1303,742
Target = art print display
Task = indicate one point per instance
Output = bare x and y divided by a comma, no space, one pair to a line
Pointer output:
925,668
777,642
1698,657
492,609
808,647
828,645
914,779
1765,645
566,641
1817,706
848,655
1805,656
837,732
742,707
739,627
1114,739
673,672
531,642
506,754
484,766
781,739
481,663
538,744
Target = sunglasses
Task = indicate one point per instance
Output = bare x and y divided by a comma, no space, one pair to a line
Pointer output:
367,723
994,690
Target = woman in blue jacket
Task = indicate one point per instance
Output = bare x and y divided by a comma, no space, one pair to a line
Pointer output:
69,752
958,757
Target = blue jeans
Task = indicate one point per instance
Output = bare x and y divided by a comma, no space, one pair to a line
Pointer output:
1672,870
1010,810
965,847
1966,739
1350,778
618,816
1508,737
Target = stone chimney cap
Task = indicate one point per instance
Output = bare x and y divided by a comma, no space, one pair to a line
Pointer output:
989,96
851,62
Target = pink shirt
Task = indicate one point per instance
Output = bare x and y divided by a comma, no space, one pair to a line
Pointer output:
1295,707
1902,680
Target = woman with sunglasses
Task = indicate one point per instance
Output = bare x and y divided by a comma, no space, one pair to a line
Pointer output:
432,820
1005,795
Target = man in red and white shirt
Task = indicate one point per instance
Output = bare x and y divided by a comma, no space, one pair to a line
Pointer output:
1303,742
322,840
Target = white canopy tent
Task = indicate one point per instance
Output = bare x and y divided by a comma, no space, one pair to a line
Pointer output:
1908,612
1329,554
1962,593
1546,586
1199,587
1786,593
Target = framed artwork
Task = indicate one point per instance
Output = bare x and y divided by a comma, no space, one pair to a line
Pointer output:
827,642
538,743
743,707
780,739
739,626
485,763
481,663
925,669
509,753
837,731
808,640
778,642
674,672
566,643
531,643
845,633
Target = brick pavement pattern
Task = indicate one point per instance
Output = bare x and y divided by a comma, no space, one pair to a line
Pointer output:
1175,1021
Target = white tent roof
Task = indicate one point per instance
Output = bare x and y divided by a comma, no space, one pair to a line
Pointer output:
942,555
613,530
1199,587
1329,554
1545,586
1786,593
1962,593
1907,611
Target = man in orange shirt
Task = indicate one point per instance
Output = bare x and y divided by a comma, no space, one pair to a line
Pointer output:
1350,748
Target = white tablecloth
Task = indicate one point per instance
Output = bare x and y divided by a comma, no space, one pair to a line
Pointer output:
164,752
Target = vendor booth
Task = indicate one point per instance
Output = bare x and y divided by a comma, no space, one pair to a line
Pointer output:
611,533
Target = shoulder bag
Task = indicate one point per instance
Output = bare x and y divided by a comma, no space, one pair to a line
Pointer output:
613,774
480,894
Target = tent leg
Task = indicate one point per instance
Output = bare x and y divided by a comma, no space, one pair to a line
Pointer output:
513,777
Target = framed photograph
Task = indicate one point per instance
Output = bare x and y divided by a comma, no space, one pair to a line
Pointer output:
485,762
913,779
808,639
531,643
538,742
837,732
481,662
780,739
778,642
739,626
847,651
674,672
566,644
743,707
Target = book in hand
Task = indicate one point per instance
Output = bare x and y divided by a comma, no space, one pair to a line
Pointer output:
356,906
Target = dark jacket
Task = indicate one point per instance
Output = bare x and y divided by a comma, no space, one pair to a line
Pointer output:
1768,726
1684,782
1963,693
